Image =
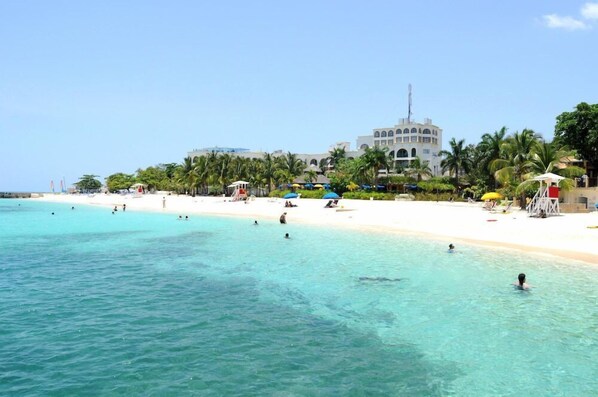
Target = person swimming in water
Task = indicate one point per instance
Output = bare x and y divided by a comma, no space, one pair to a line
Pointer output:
520,283
451,248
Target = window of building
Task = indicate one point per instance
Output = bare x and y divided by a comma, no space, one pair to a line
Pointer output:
390,141
402,153
390,133
399,140
383,134
392,154
399,131
426,151
413,152
414,130
406,131
364,146
427,139
414,139
426,131
376,134
313,162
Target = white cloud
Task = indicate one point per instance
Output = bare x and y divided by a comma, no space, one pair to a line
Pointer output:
559,22
590,10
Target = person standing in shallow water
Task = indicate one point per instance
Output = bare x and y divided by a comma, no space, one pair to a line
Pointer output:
520,283
283,218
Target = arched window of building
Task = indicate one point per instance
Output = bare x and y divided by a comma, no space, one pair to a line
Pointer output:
414,130
399,131
376,134
390,133
413,152
364,146
426,131
406,131
383,134
402,153
392,154
313,162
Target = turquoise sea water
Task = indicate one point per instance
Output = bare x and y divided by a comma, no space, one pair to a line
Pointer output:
143,304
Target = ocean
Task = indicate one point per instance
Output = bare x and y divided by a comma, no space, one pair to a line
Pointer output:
132,303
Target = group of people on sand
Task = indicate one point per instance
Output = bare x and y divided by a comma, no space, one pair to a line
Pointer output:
289,204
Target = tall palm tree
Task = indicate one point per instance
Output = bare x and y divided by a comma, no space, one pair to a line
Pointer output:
269,168
514,166
418,169
375,159
187,176
336,155
489,150
291,163
457,159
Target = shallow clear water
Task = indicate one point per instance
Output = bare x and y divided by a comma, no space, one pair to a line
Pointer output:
98,304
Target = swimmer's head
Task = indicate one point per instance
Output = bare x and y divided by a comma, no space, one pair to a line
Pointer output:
451,246
521,278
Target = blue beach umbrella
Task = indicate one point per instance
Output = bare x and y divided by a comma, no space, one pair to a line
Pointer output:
331,196
309,185
290,195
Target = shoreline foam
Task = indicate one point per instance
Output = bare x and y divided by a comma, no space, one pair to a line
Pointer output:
565,236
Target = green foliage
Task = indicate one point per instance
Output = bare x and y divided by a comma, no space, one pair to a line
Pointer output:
119,181
363,195
88,183
154,177
579,131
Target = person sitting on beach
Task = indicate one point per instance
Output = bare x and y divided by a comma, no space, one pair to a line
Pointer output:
542,214
328,204
520,283
283,218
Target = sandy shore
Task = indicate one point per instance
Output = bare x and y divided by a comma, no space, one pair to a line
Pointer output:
566,236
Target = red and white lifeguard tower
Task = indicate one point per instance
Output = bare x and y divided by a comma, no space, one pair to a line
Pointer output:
546,200
240,190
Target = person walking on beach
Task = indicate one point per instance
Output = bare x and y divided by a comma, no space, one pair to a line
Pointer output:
163,202
283,218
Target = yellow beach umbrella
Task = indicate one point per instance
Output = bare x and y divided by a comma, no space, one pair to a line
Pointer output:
296,185
492,196
318,186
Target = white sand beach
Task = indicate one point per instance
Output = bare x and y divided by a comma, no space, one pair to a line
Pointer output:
569,235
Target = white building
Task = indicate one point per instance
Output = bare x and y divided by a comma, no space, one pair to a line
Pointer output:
405,141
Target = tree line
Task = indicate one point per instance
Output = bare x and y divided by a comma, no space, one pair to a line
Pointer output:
499,161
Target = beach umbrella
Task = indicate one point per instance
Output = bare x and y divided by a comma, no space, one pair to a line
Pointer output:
492,196
318,186
309,185
331,196
290,196
296,185
326,186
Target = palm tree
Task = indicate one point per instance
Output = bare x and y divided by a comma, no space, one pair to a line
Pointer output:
336,155
514,166
311,176
269,168
489,150
457,159
187,176
292,164
375,159
418,169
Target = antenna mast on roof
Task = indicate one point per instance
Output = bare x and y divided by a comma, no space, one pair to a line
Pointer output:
409,108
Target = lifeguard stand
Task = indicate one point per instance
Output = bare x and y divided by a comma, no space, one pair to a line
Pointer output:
240,192
547,197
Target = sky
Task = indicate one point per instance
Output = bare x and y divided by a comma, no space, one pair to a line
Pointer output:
113,86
